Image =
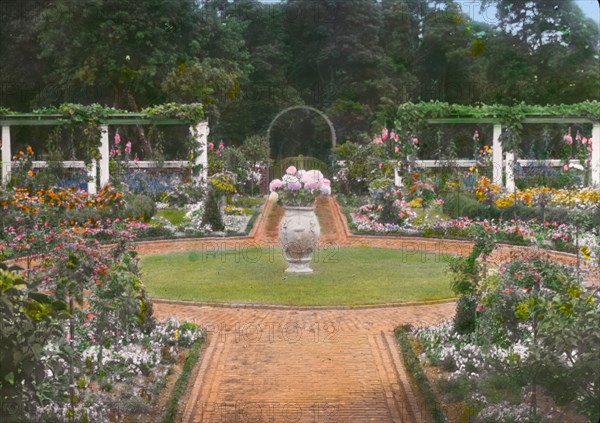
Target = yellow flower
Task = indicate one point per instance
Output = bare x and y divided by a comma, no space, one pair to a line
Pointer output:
502,203
176,334
472,169
416,203
585,251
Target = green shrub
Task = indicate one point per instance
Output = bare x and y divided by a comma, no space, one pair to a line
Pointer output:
465,319
212,212
140,206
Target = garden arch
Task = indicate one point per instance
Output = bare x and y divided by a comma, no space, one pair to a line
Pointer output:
312,109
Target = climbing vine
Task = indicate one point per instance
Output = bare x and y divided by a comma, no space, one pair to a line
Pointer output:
192,113
80,124
414,117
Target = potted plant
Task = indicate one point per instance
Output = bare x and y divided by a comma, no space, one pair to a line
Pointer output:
299,230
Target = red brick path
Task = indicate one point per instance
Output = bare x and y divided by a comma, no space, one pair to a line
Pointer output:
269,364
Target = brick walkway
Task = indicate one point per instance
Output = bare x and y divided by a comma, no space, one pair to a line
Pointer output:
294,365
269,364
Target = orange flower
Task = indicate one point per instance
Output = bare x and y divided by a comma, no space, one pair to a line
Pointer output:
29,150
30,173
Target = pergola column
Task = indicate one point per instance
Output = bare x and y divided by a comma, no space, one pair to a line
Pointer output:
92,178
6,154
201,134
104,156
510,172
497,155
595,164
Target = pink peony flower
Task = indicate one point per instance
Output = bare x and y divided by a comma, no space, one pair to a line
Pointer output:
479,308
128,147
377,140
311,185
566,168
211,146
584,140
326,182
394,136
396,149
568,139
380,165
311,175
275,184
117,139
384,134
415,140
291,170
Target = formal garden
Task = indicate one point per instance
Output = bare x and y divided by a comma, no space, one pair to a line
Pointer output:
82,344
304,156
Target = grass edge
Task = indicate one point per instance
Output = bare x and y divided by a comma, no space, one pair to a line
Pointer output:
190,362
418,376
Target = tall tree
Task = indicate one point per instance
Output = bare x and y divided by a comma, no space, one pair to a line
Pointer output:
21,70
336,49
547,52
123,48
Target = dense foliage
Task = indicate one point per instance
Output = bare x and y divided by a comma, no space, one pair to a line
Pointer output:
246,60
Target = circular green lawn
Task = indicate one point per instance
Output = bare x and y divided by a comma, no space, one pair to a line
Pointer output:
343,277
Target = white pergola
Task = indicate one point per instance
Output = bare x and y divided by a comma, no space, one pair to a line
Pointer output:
200,131
504,162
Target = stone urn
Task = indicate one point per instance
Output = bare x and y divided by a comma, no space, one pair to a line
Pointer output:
299,234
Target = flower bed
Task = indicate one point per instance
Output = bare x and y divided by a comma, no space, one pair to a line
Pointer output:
79,342
520,347
124,379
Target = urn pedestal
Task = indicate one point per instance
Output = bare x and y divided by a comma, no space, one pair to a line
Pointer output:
299,234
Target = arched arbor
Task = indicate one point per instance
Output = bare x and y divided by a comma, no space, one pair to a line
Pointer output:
507,123
101,118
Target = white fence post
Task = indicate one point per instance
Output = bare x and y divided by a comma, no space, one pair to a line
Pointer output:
595,164
201,134
92,178
6,154
497,155
104,156
510,174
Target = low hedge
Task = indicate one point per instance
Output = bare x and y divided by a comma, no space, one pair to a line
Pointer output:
414,368
182,382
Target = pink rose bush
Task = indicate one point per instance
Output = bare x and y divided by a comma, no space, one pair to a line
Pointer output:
300,188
